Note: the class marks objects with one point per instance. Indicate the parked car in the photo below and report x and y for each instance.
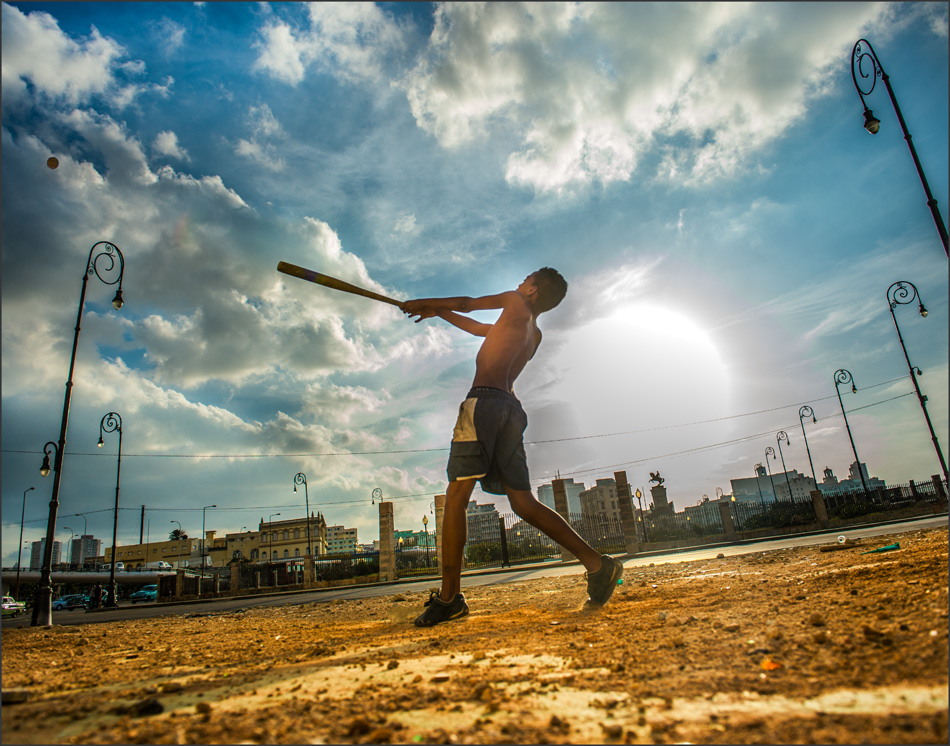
(74, 601)
(146, 593)
(11, 607)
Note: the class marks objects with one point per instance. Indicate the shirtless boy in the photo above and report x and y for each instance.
(487, 443)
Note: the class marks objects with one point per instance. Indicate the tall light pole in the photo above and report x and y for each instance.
(20, 548)
(301, 478)
(203, 545)
(112, 423)
(859, 55)
(178, 548)
(779, 437)
(903, 293)
(639, 495)
(844, 376)
(770, 452)
(108, 253)
(804, 412)
(71, 535)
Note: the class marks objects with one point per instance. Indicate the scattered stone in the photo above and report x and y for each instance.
(732, 627)
(171, 686)
(720, 556)
(203, 707)
(15, 696)
(661, 616)
(358, 727)
(816, 620)
(150, 706)
(440, 678)
(381, 735)
(612, 730)
(397, 598)
(821, 637)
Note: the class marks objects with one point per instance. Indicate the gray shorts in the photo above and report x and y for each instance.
(487, 442)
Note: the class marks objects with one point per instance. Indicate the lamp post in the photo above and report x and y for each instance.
(107, 252)
(903, 293)
(779, 437)
(425, 527)
(301, 478)
(639, 495)
(20, 548)
(112, 423)
(858, 56)
(804, 412)
(203, 545)
(770, 452)
(844, 376)
(71, 535)
(178, 548)
(377, 492)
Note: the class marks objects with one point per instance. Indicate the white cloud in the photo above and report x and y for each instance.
(589, 87)
(406, 225)
(170, 34)
(166, 143)
(35, 50)
(351, 40)
(264, 128)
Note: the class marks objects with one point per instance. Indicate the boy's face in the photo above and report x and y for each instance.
(527, 288)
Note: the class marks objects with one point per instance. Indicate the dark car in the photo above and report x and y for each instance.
(147, 593)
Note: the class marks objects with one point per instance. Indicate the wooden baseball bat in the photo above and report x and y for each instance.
(331, 282)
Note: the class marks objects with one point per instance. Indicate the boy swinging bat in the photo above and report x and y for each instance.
(487, 442)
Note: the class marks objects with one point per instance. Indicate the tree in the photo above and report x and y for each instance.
(177, 535)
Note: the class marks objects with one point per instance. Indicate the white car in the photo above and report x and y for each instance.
(11, 607)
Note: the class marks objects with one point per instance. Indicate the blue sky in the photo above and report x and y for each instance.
(698, 172)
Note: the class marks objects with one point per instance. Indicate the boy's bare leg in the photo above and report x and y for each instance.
(539, 515)
(454, 533)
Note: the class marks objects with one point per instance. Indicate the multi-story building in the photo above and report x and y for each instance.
(600, 501)
(573, 490)
(482, 522)
(38, 551)
(184, 552)
(341, 539)
(284, 540)
(831, 486)
(84, 549)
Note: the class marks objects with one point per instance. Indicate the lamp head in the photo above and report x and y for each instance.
(295, 489)
(918, 371)
(44, 469)
(871, 123)
(854, 389)
(814, 419)
(100, 441)
(117, 301)
(923, 311)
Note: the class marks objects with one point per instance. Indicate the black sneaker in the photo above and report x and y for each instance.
(601, 584)
(438, 610)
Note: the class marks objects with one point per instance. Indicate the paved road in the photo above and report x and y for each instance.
(129, 611)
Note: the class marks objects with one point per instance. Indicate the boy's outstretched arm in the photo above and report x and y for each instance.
(425, 308)
(465, 323)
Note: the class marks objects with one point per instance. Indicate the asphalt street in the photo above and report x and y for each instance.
(471, 579)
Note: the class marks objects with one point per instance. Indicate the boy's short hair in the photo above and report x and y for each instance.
(551, 289)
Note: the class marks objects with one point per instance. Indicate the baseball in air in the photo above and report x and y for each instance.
(52, 162)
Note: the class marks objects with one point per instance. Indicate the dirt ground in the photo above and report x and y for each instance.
(787, 646)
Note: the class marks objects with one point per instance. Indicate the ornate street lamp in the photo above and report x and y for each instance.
(770, 452)
(639, 495)
(16, 593)
(779, 437)
(844, 376)
(425, 527)
(758, 484)
(107, 253)
(377, 492)
(112, 423)
(804, 412)
(71, 535)
(864, 52)
(903, 293)
(301, 478)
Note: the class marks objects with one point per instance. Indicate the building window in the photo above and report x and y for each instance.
(296, 553)
(296, 533)
(286, 534)
(286, 554)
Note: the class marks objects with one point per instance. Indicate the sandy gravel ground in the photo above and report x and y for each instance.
(788, 646)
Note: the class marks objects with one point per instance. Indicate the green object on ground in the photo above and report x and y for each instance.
(620, 581)
(888, 548)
